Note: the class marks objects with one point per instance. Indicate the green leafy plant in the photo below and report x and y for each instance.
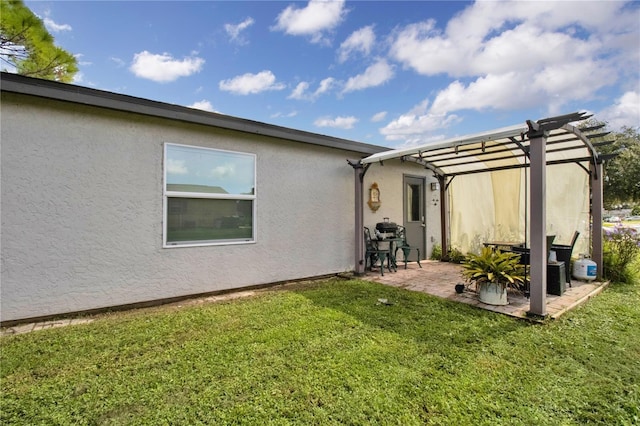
(436, 252)
(456, 256)
(494, 266)
(621, 255)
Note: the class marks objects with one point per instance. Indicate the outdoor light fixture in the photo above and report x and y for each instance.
(435, 186)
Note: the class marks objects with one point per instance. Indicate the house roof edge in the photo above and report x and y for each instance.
(14, 83)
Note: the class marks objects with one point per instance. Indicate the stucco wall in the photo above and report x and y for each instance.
(82, 211)
(389, 178)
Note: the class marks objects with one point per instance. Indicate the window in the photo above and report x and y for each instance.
(413, 203)
(209, 196)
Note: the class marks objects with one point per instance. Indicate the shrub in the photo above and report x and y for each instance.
(621, 255)
(490, 265)
(456, 256)
(436, 252)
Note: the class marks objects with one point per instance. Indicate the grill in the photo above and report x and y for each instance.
(386, 227)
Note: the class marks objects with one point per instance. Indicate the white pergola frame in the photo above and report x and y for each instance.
(535, 145)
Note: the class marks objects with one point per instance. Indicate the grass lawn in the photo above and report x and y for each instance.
(328, 353)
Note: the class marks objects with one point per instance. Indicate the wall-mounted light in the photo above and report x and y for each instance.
(435, 186)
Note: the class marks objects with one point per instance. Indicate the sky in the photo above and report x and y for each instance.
(389, 73)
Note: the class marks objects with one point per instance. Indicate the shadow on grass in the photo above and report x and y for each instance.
(421, 317)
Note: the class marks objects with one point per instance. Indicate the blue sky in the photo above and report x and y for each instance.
(391, 73)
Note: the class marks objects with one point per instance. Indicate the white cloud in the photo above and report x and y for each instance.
(78, 78)
(234, 31)
(375, 75)
(378, 116)
(119, 62)
(313, 20)
(338, 122)
(495, 37)
(361, 41)
(518, 55)
(418, 125)
(78, 57)
(325, 86)
(203, 105)
(624, 112)
(287, 115)
(251, 83)
(493, 91)
(224, 171)
(554, 86)
(164, 68)
(176, 167)
(301, 90)
(53, 27)
(529, 38)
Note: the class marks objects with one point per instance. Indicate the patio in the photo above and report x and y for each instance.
(439, 278)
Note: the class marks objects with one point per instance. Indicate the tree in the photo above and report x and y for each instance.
(621, 173)
(27, 47)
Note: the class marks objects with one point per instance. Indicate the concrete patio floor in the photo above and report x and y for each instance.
(439, 279)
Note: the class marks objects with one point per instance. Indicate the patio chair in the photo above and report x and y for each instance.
(525, 259)
(564, 253)
(405, 247)
(374, 253)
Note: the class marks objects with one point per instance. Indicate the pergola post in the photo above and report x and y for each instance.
(359, 170)
(538, 215)
(596, 186)
(444, 216)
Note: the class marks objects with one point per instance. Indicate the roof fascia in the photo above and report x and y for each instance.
(13, 83)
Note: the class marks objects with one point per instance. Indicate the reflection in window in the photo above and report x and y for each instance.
(413, 203)
(209, 195)
(203, 170)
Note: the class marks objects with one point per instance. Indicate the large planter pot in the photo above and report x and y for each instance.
(493, 294)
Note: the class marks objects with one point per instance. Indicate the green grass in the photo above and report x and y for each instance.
(328, 353)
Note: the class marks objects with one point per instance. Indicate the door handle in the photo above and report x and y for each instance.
(422, 223)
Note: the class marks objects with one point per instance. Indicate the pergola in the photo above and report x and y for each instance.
(533, 145)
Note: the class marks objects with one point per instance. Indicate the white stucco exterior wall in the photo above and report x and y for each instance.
(82, 210)
(390, 180)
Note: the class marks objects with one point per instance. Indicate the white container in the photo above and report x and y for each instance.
(493, 294)
(585, 269)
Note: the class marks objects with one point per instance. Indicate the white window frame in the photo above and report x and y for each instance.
(179, 194)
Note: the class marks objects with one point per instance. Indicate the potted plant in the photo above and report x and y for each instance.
(493, 271)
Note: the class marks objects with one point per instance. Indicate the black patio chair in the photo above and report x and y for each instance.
(525, 259)
(401, 233)
(374, 253)
(564, 253)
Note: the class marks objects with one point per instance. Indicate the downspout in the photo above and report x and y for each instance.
(359, 170)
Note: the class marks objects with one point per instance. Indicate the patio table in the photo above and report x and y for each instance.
(503, 245)
(390, 244)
